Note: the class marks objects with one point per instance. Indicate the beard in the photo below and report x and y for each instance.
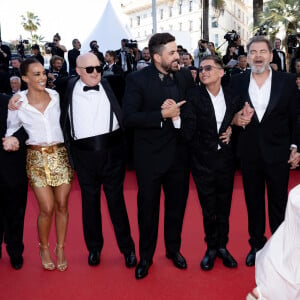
(259, 70)
(171, 67)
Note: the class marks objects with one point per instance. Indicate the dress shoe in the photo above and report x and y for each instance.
(208, 260)
(94, 258)
(16, 262)
(142, 268)
(130, 259)
(228, 260)
(178, 260)
(250, 259)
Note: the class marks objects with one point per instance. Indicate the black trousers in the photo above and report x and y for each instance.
(257, 175)
(12, 212)
(214, 182)
(175, 184)
(96, 168)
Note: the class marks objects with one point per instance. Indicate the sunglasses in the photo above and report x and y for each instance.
(55, 40)
(91, 69)
(208, 68)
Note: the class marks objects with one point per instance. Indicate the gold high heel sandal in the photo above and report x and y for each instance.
(64, 265)
(49, 266)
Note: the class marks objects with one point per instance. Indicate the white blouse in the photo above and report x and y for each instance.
(44, 128)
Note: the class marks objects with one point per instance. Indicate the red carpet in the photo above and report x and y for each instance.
(111, 279)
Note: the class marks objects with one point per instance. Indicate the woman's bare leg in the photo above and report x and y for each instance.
(61, 222)
(45, 199)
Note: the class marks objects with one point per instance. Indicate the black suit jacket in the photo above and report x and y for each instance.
(13, 164)
(270, 139)
(277, 61)
(65, 87)
(155, 139)
(199, 123)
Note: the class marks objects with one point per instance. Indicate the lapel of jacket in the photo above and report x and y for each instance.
(228, 113)
(207, 101)
(276, 86)
(113, 101)
(65, 104)
(245, 82)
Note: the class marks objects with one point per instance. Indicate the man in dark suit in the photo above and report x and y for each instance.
(111, 68)
(278, 60)
(160, 156)
(13, 190)
(268, 139)
(206, 120)
(92, 125)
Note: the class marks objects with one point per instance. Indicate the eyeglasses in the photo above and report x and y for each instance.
(208, 68)
(91, 69)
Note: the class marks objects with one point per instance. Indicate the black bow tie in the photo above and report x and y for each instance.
(87, 88)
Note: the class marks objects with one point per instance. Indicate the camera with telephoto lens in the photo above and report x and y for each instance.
(231, 36)
(131, 44)
(292, 42)
(49, 45)
(95, 48)
(21, 47)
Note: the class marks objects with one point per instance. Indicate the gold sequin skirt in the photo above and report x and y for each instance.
(48, 165)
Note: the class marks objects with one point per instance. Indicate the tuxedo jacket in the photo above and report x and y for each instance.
(277, 61)
(13, 164)
(156, 141)
(270, 139)
(65, 87)
(199, 125)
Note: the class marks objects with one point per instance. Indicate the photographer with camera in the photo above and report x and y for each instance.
(128, 55)
(5, 54)
(36, 53)
(200, 52)
(95, 49)
(292, 42)
(57, 49)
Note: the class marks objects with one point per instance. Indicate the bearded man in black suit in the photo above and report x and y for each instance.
(13, 189)
(268, 139)
(91, 120)
(160, 156)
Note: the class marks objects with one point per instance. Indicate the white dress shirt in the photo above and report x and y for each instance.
(91, 112)
(219, 105)
(44, 128)
(280, 54)
(260, 96)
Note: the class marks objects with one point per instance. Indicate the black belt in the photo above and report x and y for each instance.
(99, 142)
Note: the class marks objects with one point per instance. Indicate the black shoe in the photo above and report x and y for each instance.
(130, 259)
(142, 268)
(94, 258)
(16, 262)
(250, 259)
(178, 260)
(227, 258)
(208, 260)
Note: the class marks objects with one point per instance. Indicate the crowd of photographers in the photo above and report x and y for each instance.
(118, 63)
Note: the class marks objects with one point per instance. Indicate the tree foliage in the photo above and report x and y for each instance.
(281, 15)
(30, 23)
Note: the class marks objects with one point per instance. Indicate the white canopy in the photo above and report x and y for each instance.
(109, 30)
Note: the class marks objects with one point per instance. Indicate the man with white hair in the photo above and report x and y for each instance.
(15, 84)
